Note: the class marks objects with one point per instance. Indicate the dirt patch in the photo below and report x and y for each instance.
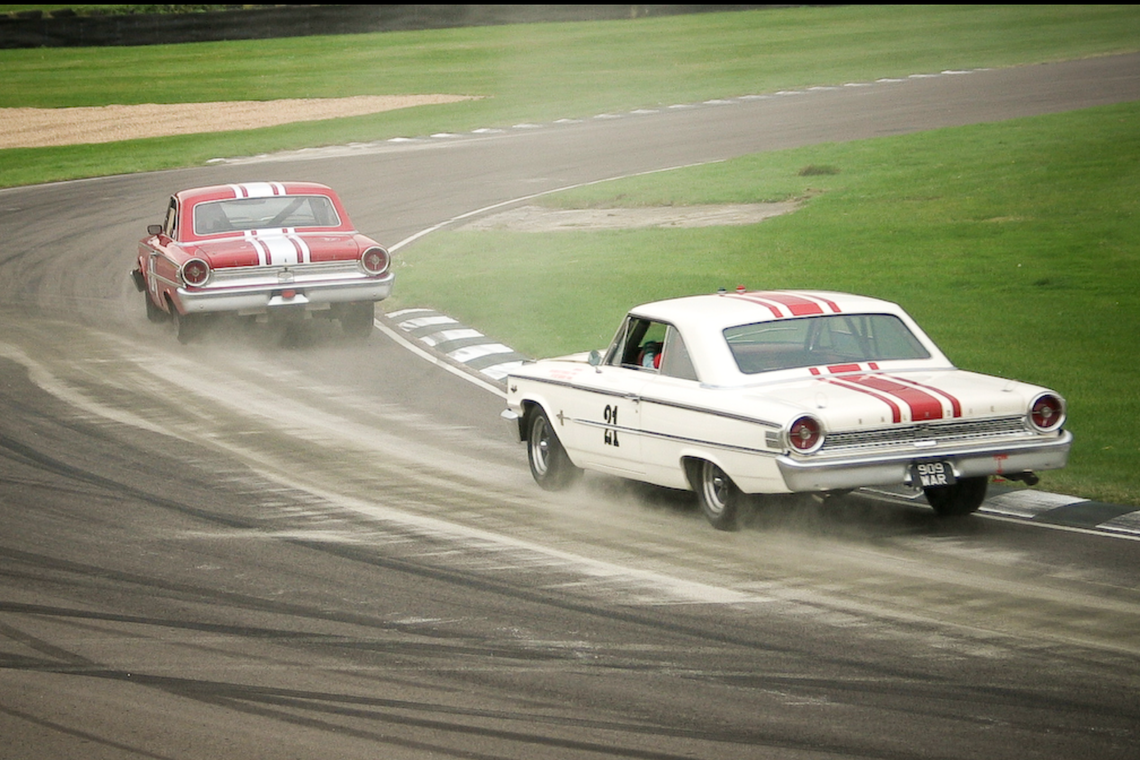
(42, 127)
(539, 219)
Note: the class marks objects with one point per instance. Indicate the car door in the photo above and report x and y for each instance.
(669, 417)
(160, 268)
(608, 414)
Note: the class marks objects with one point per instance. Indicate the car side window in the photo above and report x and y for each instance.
(617, 346)
(639, 345)
(170, 225)
(676, 361)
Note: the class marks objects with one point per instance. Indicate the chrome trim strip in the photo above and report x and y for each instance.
(930, 434)
(675, 438)
(645, 400)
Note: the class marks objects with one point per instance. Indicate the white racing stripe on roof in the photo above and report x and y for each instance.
(260, 189)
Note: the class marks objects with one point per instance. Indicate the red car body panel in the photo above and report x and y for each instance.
(260, 248)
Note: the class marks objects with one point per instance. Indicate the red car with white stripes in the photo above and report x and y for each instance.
(266, 250)
(742, 393)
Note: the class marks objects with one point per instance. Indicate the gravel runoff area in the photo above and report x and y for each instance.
(44, 127)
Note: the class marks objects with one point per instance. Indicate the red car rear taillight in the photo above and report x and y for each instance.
(375, 260)
(195, 272)
(1047, 412)
(805, 434)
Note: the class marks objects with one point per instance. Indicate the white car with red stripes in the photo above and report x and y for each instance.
(264, 250)
(742, 393)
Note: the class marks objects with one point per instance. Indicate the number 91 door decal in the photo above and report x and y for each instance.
(610, 415)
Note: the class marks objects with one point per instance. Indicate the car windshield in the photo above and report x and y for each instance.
(289, 211)
(818, 341)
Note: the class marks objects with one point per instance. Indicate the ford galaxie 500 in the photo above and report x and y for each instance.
(742, 393)
(260, 249)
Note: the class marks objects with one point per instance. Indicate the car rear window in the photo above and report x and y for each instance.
(288, 211)
(825, 340)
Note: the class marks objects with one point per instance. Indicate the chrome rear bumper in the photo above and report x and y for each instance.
(312, 294)
(991, 458)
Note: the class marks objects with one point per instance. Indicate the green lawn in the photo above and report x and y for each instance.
(1015, 244)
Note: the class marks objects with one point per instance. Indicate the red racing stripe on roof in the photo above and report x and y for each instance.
(830, 304)
(797, 305)
(802, 305)
(754, 298)
(783, 304)
(751, 297)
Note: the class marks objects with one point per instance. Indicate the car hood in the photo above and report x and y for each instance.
(276, 249)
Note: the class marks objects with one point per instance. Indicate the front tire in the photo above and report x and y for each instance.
(721, 500)
(549, 463)
(961, 498)
(154, 312)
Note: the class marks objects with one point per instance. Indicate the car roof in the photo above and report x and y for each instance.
(251, 190)
(190, 199)
(700, 317)
(737, 307)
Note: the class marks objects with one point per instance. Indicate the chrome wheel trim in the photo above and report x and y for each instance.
(716, 488)
(540, 445)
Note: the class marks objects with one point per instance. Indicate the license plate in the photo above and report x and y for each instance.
(930, 474)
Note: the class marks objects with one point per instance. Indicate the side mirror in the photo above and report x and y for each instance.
(154, 229)
(595, 358)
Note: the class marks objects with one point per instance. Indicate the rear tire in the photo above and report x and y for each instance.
(720, 499)
(188, 327)
(962, 498)
(549, 463)
(357, 318)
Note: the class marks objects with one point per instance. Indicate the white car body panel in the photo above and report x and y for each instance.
(878, 417)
